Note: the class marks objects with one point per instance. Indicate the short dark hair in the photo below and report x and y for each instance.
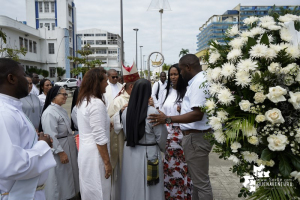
(111, 71)
(161, 73)
(7, 66)
(128, 84)
(191, 60)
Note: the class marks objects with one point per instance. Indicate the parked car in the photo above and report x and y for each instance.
(67, 83)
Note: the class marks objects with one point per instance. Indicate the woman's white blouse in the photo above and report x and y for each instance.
(169, 107)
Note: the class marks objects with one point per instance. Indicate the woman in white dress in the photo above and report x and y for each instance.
(45, 86)
(94, 129)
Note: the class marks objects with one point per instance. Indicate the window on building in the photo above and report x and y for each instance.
(51, 48)
(52, 72)
(26, 44)
(84, 41)
(41, 6)
(112, 52)
(27, 67)
(71, 51)
(53, 26)
(34, 47)
(100, 51)
(52, 7)
(30, 45)
(90, 42)
(100, 42)
(79, 35)
(112, 42)
(70, 11)
(100, 34)
(48, 26)
(87, 35)
(41, 25)
(21, 42)
(46, 5)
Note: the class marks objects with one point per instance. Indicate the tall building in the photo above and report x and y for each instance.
(105, 46)
(215, 27)
(48, 35)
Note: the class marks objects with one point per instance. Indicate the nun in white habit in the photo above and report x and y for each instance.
(63, 180)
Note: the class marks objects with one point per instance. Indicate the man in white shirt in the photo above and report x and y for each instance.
(25, 156)
(35, 80)
(158, 88)
(113, 88)
(194, 126)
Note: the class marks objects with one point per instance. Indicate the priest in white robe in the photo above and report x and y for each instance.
(113, 88)
(116, 134)
(25, 161)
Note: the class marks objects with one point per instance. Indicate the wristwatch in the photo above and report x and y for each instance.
(168, 120)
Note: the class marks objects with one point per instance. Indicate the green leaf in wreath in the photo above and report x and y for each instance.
(264, 39)
(284, 166)
(251, 42)
(295, 161)
(267, 154)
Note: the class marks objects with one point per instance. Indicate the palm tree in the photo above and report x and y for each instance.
(183, 52)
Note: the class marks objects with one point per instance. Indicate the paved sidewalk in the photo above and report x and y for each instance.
(225, 184)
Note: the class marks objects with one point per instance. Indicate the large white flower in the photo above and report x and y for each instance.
(285, 34)
(208, 75)
(234, 54)
(247, 65)
(295, 99)
(245, 105)
(242, 78)
(225, 97)
(274, 116)
(235, 146)
(246, 34)
(274, 27)
(298, 77)
(215, 123)
(293, 51)
(257, 31)
(214, 57)
(219, 136)
(276, 47)
(234, 30)
(253, 140)
(276, 94)
(288, 18)
(215, 88)
(270, 54)
(274, 67)
(258, 50)
(290, 69)
(250, 20)
(277, 142)
(210, 104)
(228, 70)
(222, 115)
(250, 156)
(266, 19)
(234, 159)
(237, 43)
(216, 73)
(259, 97)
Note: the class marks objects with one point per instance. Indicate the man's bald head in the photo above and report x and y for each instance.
(189, 66)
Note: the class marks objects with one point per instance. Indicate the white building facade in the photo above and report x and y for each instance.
(105, 46)
(47, 35)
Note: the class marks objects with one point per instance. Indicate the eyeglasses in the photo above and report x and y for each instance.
(64, 94)
(114, 77)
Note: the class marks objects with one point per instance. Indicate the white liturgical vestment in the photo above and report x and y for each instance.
(25, 161)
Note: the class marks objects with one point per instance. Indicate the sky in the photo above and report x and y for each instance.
(180, 25)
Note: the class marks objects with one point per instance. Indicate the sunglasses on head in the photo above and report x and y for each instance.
(113, 77)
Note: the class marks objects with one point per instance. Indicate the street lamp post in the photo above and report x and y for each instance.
(144, 65)
(122, 47)
(136, 30)
(141, 68)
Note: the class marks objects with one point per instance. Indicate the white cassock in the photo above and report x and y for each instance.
(112, 90)
(34, 90)
(25, 161)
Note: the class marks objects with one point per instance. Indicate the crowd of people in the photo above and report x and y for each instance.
(134, 141)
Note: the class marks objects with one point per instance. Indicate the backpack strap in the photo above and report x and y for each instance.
(157, 92)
